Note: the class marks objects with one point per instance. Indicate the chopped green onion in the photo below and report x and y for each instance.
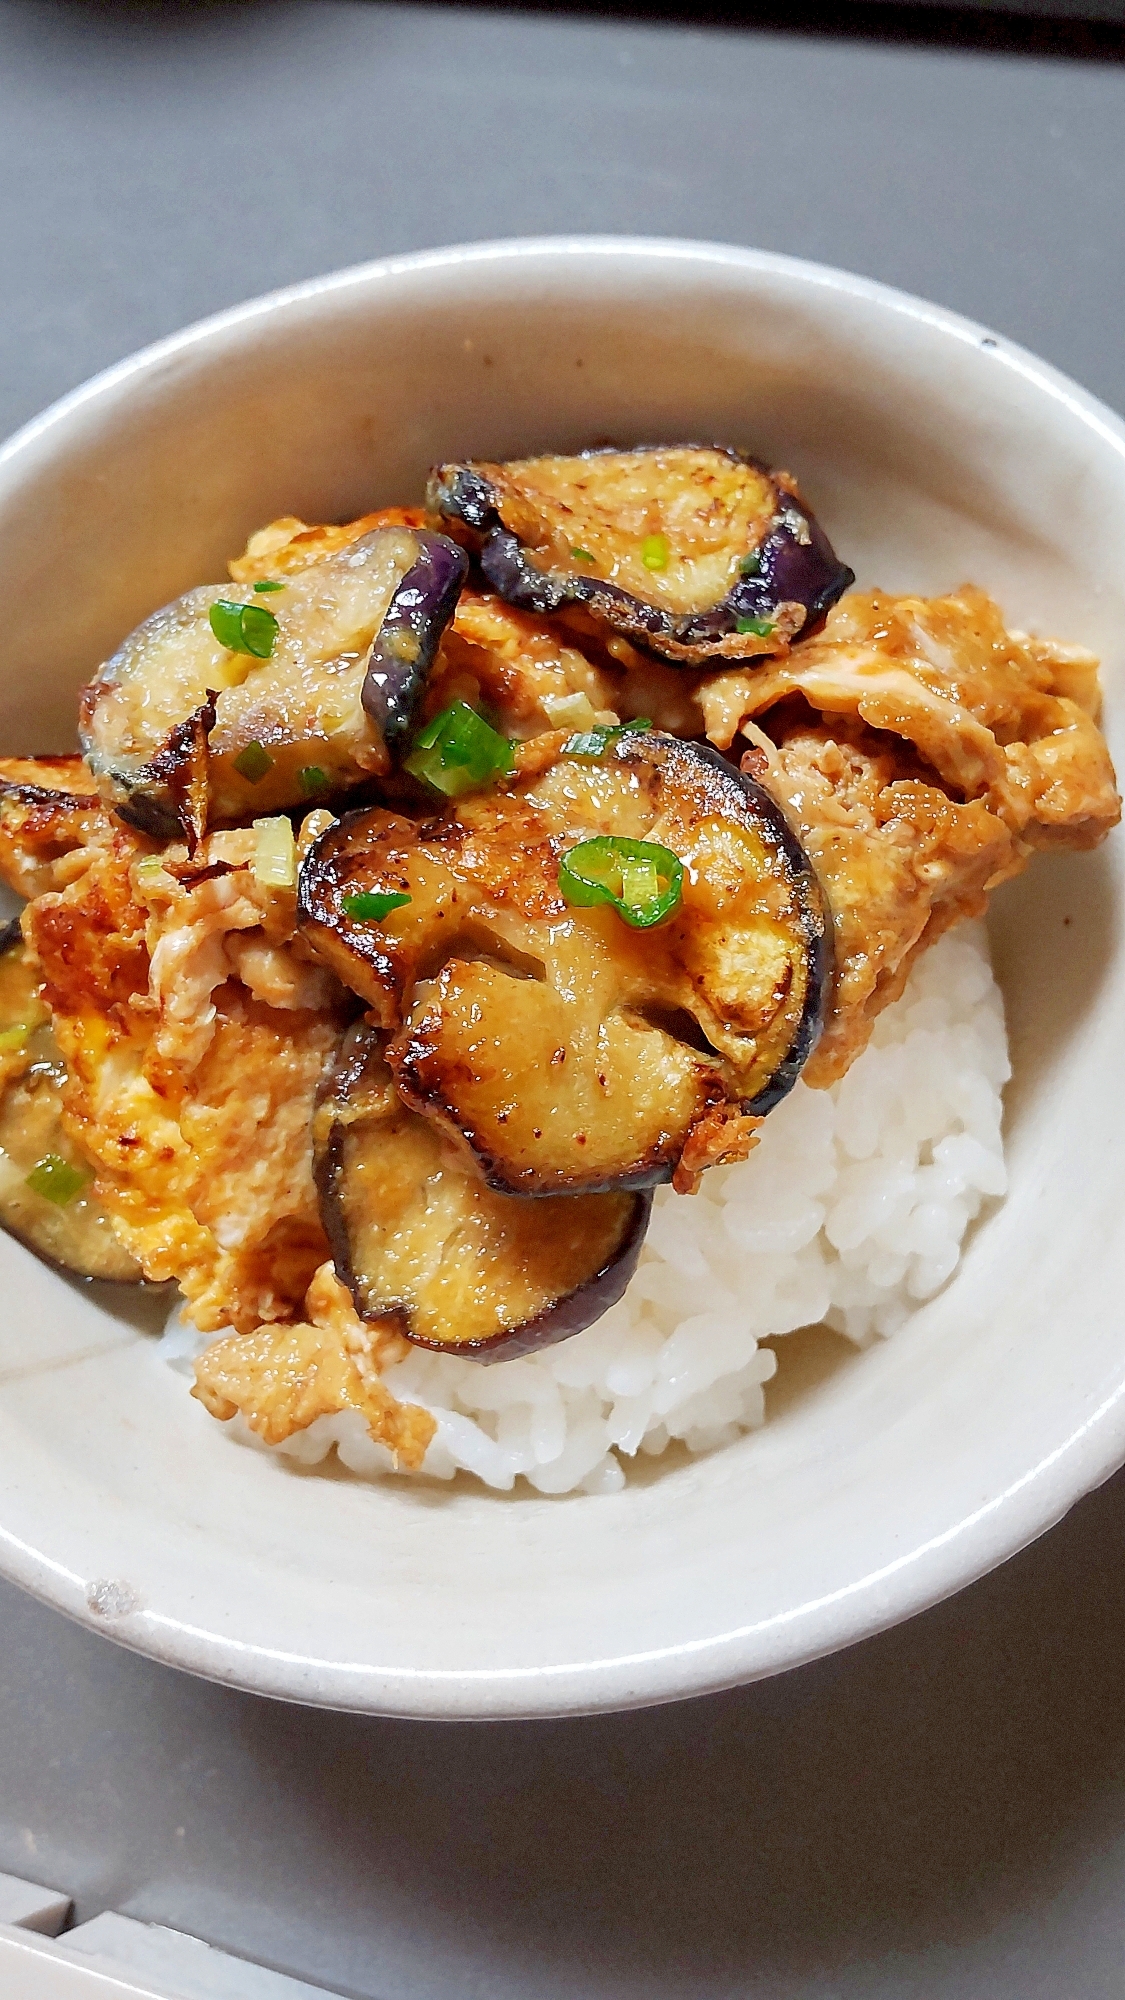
(259, 630)
(761, 627)
(313, 780)
(627, 874)
(56, 1180)
(594, 743)
(243, 628)
(253, 763)
(267, 584)
(750, 565)
(459, 752)
(580, 555)
(569, 711)
(370, 906)
(654, 552)
(275, 854)
(640, 884)
(14, 1038)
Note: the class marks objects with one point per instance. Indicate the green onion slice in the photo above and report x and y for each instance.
(761, 627)
(459, 752)
(267, 583)
(640, 879)
(253, 763)
(313, 780)
(580, 555)
(14, 1037)
(275, 854)
(750, 565)
(243, 628)
(594, 743)
(654, 552)
(370, 906)
(56, 1180)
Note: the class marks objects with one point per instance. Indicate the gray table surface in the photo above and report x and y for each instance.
(941, 1811)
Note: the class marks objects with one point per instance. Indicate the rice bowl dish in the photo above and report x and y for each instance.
(415, 1002)
(886, 1482)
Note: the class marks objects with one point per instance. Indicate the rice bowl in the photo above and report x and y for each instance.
(736, 1608)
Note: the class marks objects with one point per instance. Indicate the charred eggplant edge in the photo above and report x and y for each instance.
(812, 907)
(26, 792)
(332, 948)
(816, 923)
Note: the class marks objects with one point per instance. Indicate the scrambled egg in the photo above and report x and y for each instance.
(923, 754)
(195, 1030)
(282, 1378)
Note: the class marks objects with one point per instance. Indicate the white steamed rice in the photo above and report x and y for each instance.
(851, 1211)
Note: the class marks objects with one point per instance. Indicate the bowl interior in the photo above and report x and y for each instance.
(932, 457)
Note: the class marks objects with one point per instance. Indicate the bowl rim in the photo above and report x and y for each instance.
(923, 1575)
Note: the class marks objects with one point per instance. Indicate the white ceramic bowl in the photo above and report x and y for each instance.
(932, 453)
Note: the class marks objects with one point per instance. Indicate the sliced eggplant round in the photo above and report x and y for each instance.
(46, 1196)
(565, 1049)
(695, 552)
(417, 1236)
(238, 701)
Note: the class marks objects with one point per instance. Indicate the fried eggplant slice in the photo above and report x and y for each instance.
(418, 1237)
(566, 1050)
(46, 1190)
(271, 699)
(695, 552)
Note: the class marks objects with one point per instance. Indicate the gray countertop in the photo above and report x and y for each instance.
(941, 1811)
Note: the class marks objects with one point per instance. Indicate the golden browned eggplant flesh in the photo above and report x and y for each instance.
(436, 888)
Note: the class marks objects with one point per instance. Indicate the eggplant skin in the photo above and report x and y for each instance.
(405, 646)
(816, 924)
(168, 798)
(565, 1051)
(531, 545)
(589, 1300)
(417, 1237)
